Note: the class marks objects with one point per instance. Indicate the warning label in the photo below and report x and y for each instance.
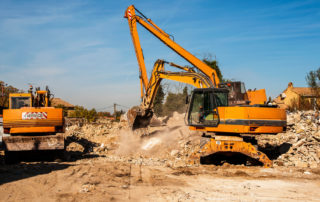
(34, 115)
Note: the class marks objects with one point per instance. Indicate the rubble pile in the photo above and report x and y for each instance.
(300, 145)
(169, 144)
(179, 143)
(93, 137)
(304, 134)
(176, 119)
(172, 144)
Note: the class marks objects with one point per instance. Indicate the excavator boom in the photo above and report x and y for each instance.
(148, 24)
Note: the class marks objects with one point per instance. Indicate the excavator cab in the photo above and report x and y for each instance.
(203, 110)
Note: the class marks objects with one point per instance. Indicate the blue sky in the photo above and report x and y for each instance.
(83, 50)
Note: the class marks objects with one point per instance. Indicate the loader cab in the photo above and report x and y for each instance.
(19, 100)
(39, 98)
(203, 107)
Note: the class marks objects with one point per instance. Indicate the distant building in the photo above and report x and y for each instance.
(296, 97)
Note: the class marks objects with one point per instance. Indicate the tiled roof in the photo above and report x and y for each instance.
(59, 101)
(303, 91)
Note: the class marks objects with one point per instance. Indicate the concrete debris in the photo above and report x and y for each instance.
(94, 138)
(169, 145)
(300, 145)
(74, 147)
(174, 143)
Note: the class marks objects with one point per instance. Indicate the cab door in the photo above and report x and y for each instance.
(203, 109)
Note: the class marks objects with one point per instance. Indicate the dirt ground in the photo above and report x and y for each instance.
(99, 179)
(106, 163)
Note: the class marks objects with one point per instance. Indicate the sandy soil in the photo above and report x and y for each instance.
(99, 179)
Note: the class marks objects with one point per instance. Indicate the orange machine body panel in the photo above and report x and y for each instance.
(257, 96)
(248, 120)
(32, 120)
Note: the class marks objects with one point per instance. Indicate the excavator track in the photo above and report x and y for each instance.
(210, 146)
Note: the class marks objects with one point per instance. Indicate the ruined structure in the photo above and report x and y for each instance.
(297, 97)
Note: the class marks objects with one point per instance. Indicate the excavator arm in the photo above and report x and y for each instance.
(158, 73)
(139, 54)
(139, 117)
(148, 24)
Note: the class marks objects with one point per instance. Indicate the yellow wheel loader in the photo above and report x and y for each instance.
(32, 124)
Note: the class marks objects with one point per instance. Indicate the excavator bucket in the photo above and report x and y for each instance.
(138, 118)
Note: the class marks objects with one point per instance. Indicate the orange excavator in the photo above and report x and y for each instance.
(229, 117)
(32, 124)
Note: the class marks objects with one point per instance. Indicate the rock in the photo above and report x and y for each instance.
(279, 163)
(313, 165)
(290, 121)
(174, 152)
(75, 147)
(317, 136)
(301, 142)
(297, 117)
(301, 164)
(299, 130)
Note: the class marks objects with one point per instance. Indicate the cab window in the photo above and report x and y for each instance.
(203, 109)
(19, 102)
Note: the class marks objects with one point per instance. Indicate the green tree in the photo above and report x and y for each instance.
(185, 92)
(172, 103)
(175, 102)
(118, 114)
(81, 112)
(214, 65)
(102, 114)
(5, 90)
(313, 80)
(158, 102)
(92, 115)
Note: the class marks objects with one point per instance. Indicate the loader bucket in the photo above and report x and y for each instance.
(139, 119)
